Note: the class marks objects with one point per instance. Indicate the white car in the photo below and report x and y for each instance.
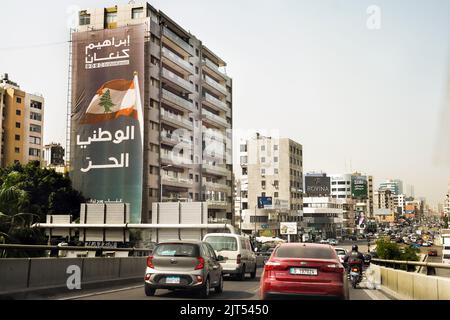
(333, 242)
(323, 241)
(341, 252)
(237, 253)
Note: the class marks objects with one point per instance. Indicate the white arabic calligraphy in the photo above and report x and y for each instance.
(106, 136)
(124, 163)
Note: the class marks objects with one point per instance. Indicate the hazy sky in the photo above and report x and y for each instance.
(311, 69)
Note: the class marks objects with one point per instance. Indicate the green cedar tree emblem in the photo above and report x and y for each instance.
(106, 102)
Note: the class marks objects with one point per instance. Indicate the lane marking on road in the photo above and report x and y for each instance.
(375, 294)
(101, 293)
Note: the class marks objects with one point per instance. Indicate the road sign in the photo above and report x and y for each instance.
(288, 228)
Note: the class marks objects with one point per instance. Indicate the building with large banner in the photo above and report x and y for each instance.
(150, 113)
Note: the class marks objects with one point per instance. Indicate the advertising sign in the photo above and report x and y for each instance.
(359, 187)
(107, 128)
(264, 202)
(317, 186)
(288, 228)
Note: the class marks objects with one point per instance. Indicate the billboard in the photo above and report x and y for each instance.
(359, 187)
(107, 127)
(287, 228)
(317, 186)
(264, 202)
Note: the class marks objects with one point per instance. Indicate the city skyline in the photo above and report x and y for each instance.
(369, 99)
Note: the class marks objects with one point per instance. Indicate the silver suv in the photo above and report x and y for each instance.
(188, 265)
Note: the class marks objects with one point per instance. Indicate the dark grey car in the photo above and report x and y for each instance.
(186, 265)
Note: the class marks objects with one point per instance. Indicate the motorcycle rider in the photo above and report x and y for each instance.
(354, 257)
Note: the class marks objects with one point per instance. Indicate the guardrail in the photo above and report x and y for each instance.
(69, 248)
(396, 264)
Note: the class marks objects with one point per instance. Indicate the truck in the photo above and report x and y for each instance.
(445, 237)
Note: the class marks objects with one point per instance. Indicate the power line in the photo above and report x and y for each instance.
(41, 45)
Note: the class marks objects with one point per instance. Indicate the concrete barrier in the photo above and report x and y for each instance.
(414, 286)
(13, 274)
(20, 277)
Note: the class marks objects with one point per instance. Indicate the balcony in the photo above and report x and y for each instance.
(215, 170)
(215, 103)
(176, 120)
(215, 86)
(178, 42)
(173, 139)
(215, 120)
(178, 81)
(209, 66)
(219, 220)
(177, 182)
(177, 161)
(217, 204)
(177, 101)
(177, 62)
(216, 186)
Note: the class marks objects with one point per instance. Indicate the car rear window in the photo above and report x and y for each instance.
(176, 250)
(304, 252)
(222, 243)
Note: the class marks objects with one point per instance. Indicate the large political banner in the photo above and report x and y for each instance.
(107, 128)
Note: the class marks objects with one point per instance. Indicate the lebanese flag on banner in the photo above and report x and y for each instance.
(116, 98)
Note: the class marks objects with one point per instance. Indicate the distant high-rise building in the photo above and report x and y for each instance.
(395, 186)
(21, 124)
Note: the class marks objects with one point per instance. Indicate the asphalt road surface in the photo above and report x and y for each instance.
(233, 290)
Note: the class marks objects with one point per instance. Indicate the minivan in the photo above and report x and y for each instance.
(236, 253)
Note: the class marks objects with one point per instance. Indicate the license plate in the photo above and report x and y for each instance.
(303, 271)
(173, 280)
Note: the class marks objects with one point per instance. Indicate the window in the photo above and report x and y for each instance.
(275, 159)
(17, 137)
(244, 159)
(243, 148)
(263, 148)
(36, 105)
(275, 183)
(275, 171)
(35, 116)
(18, 125)
(111, 17)
(19, 100)
(18, 112)
(137, 13)
(34, 152)
(85, 18)
(275, 147)
(263, 184)
(263, 171)
(17, 150)
(263, 160)
(34, 140)
(35, 128)
(275, 194)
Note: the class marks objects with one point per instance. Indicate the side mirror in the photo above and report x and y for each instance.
(220, 258)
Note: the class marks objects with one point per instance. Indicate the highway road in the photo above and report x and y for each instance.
(438, 259)
(233, 290)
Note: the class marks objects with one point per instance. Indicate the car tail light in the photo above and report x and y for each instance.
(147, 277)
(271, 266)
(332, 268)
(355, 269)
(201, 263)
(238, 259)
(150, 262)
(199, 279)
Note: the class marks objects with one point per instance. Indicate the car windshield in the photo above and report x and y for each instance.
(176, 250)
(304, 252)
(222, 243)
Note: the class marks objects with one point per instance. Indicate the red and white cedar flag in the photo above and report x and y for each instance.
(116, 98)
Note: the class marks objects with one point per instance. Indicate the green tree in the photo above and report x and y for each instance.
(27, 194)
(106, 102)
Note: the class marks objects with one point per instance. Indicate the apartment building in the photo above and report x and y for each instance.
(53, 155)
(187, 102)
(21, 119)
(273, 168)
(324, 216)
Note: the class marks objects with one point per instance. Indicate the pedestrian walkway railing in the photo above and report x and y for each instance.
(406, 265)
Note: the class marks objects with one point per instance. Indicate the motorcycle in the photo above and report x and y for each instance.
(355, 274)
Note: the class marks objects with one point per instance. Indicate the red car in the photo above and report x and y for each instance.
(304, 270)
(432, 253)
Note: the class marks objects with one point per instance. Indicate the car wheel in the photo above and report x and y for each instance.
(241, 276)
(219, 288)
(149, 292)
(253, 274)
(204, 292)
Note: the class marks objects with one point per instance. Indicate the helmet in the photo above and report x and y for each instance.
(355, 247)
